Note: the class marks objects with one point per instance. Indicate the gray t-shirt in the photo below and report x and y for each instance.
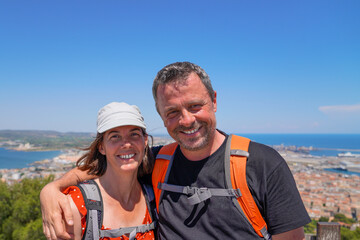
(269, 179)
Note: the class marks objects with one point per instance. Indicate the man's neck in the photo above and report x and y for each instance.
(214, 145)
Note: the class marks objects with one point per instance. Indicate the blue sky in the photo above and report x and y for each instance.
(277, 66)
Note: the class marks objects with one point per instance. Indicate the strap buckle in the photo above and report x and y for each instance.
(199, 195)
(190, 190)
(235, 192)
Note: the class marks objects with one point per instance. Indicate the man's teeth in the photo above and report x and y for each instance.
(191, 131)
(127, 156)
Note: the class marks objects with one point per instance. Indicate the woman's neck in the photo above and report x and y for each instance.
(123, 199)
(123, 187)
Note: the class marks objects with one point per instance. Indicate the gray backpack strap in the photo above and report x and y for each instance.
(132, 231)
(93, 203)
(150, 201)
(197, 195)
(164, 156)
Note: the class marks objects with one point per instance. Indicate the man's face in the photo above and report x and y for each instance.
(188, 112)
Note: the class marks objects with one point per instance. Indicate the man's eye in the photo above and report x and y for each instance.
(171, 114)
(195, 107)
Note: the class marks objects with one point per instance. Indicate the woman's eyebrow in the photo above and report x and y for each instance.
(135, 129)
(114, 131)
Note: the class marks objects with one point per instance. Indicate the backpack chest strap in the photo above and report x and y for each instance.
(197, 195)
(132, 231)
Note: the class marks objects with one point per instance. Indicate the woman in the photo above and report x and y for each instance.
(119, 158)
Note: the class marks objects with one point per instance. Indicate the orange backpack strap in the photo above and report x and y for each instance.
(162, 168)
(235, 174)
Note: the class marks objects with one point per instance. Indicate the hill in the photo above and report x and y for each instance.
(45, 140)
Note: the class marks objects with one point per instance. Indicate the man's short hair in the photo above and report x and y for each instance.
(180, 71)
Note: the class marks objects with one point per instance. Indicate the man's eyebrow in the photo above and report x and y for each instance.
(169, 108)
(199, 101)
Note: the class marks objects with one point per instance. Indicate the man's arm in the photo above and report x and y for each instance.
(75, 230)
(296, 234)
(55, 206)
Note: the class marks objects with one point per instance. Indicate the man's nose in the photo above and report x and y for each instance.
(186, 119)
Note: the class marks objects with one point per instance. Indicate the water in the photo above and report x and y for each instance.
(341, 171)
(19, 159)
(328, 144)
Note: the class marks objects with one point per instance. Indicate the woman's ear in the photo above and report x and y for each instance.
(146, 140)
(101, 149)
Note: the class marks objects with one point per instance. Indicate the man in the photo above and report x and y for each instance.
(187, 104)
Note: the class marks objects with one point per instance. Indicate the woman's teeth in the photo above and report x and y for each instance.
(127, 156)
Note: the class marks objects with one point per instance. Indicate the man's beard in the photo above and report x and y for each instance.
(193, 144)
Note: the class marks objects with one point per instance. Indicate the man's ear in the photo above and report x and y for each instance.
(215, 102)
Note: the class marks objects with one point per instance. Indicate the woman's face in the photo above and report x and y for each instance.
(124, 147)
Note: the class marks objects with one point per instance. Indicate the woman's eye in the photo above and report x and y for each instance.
(135, 135)
(114, 137)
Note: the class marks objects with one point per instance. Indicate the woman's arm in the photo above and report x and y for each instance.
(55, 206)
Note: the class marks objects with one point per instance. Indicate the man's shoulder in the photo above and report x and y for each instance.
(260, 148)
(155, 149)
(264, 156)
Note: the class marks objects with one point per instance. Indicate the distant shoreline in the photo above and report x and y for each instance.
(33, 149)
(308, 145)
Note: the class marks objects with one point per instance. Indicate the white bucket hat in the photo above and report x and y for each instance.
(117, 114)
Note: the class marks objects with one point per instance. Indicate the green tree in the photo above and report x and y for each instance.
(310, 227)
(347, 234)
(339, 217)
(5, 201)
(323, 219)
(31, 231)
(20, 213)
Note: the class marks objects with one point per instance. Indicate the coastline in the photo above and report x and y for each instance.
(346, 157)
(324, 192)
(29, 148)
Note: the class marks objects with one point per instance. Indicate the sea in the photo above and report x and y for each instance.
(324, 145)
(20, 159)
